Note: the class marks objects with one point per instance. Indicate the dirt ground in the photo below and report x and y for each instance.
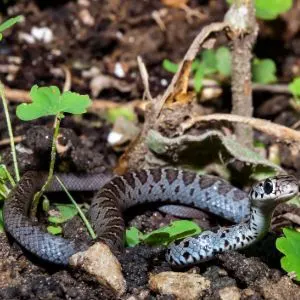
(100, 37)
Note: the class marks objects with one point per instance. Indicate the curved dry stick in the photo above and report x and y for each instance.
(190, 55)
(281, 132)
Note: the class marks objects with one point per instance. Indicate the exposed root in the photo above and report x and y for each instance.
(282, 133)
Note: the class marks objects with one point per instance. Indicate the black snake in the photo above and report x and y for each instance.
(168, 186)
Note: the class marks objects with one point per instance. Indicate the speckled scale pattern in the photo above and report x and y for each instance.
(30, 236)
(204, 192)
(206, 245)
(174, 186)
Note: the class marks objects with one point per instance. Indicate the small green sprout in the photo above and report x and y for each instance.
(5, 176)
(198, 78)
(162, 236)
(170, 66)
(294, 88)
(78, 209)
(264, 71)
(55, 230)
(290, 247)
(9, 23)
(5, 180)
(66, 212)
(211, 62)
(114, 113)
(49, 101)
(267, 10)
(223, 57)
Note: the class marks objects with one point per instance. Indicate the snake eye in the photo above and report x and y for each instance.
(268, 186)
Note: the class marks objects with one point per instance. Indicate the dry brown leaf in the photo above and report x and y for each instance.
(175, 3)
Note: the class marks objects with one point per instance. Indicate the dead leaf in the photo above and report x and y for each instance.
(175, 3)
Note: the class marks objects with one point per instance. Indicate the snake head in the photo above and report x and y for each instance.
(274, 190)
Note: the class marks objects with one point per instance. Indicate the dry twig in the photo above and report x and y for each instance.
(17, 139)
(176, 85)
(282, 133)
(68, 79)
(145, 78)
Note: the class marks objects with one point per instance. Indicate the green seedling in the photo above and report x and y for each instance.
(289, 245)
(218, 62)
(70, 211)
(55, 230)
(49, 101)
(270, 10)
(211, 62)
(5, 25)
(264, 71)
(294, 88)
(114, 113)
(162, 236)
(5, 176)
(170, 66)
(5, 180)
(9, 23)
(66, 212)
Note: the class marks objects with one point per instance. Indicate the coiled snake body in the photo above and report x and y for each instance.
(172, 186)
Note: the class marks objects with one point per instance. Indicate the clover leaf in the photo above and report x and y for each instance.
(176, 230)
(264, 71)
(66, 212)
(47, 101)
(199, 76)
(294, 88)
(209, 60)
(162, 236)
(114, 113)
(223, 57)
(132, 236)
(270, 10)
(55, 230)
(170, 66)
(290, 247)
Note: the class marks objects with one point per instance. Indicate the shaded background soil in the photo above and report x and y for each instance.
(104, 37)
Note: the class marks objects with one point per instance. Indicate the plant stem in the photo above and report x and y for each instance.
(10, 132)
(84, 219)
(243, 35)
(52, 163)
(9, 177)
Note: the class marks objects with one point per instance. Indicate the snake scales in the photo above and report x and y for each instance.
(167, 186)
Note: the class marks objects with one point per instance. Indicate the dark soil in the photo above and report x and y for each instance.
(101, 35)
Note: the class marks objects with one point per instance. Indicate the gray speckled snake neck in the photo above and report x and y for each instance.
(166, 186)
(264, 197)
